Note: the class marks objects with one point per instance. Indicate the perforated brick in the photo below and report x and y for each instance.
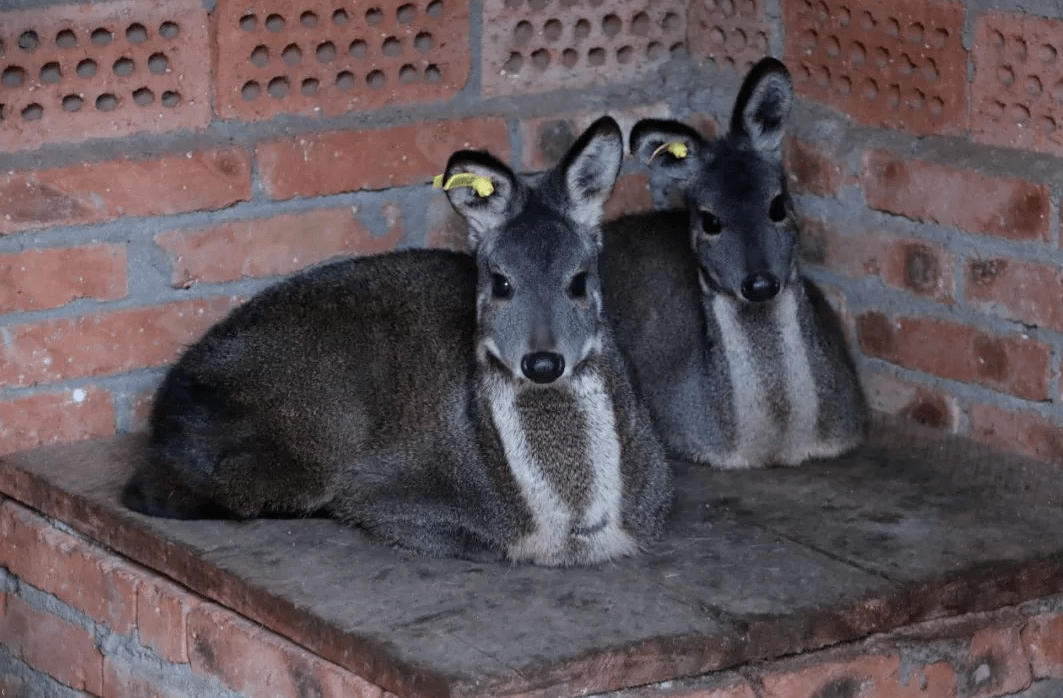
(1017, 95)
(728, 34)
(72, 72)
(541, 45)
(897, 64)
(331, 56)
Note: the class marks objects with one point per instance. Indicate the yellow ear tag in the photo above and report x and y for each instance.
(481, 184)
(676, 148)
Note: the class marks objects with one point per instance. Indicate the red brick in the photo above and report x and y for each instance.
(1024, 432)
(74, 571)
(1043, 639)
(270, 246)
(1013, 364)
(253, 661)
(446, 229)
(914, 401)
(341, 161)
(1027, 292)
(966, 199)
(140, 409)
(631, 195)
(309, 60)
(813, 169)
(94, 192)
(867, 676)
(47, 418)
(728, 35)
(740, 689)
(900, 64)
(547, 138)
(1015, 99)
(162, 618)
(65, 651)
(996, 664)
(106, 343)
(139, 93)
(52, 277)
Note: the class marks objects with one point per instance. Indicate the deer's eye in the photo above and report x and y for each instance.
(777, 209)
(578, 287)
(500, 286)
(710, 223)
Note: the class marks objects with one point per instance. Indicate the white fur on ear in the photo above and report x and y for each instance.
(763, 105)
(591, 168)
(484, 214)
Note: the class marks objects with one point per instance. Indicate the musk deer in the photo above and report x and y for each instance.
(739, 357)
(454, 405)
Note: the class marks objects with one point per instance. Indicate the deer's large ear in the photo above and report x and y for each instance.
(763, 105)
(589, 171)
(668, 148)
(483, 190)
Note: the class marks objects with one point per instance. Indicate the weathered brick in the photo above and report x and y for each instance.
(105, 343)
(52, 277)
(1014, 364)
(100, 191)
(271, 246)
(55, 417)
(1043, 639)
(996, 663)
(630, 195)
(1025, 432)
(914, 401)
(547, 138)
(967, 199)
(64, 651)
(76, 572)
(813, 169)
(900, 64)
(866, 676)
(342, 161)
(728, 35)
(1027, 292)
(446, 229)
(1018, 73)
(253, 661)
(162, 610)
(123, 679)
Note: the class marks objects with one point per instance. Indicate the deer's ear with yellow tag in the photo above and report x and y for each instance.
(482, 189)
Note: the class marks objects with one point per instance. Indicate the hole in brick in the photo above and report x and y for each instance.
(340, 17)
(625, 54)
(537, 5)
(33, 112)
(391, 47)
(171, 99)
(434, 9)
(123, 67)
(717, 37)
(822, 12)
(893, 97)
(3, 109)
(1005, 75)
(309, 86)
(13, 76)
(373, 16)
(408, 74)
(1048, 126)
(1047, 53)
(939, 38)
(671, 22)
(867, 21)
(845, 17)
(136, 33)
(275, 23)
(582, 29)
(552, 30)
(1018, 47)
(143, 97)
(325, 52)
(996, 39)
(726, 7)
(857, 54)
(1019, 113)
(432, 74)
(345, 80)
(915, 33)
(86, 68)
(1033, 86)
(995, 110)
(654, 51)
(569, 57)
(406, 14)
(376, 80)
(893, 27)
(541, 58)
(843, 86)
(904, 65)
(915, 100)
(249, 22)
(640, 24)
(158, 63)
(523, 32)
(739, 41)
(292, 54)
(882, 58)
(169, 30)
(260, 56)
(930, 71)
(66, 39)
(760, 43)
(514, 63)
(833, 47)
(596, 56)
(101, 36)
(1057, 91)
(308, 19)
(809, 39)
(869, 89)
(72, 103)
(251, 91)
(937, 107)
(51, 73)
(424, 42)
(611, 25)
(28, 42)
(358, 48)
(278, 87)
(106, 102)
(678, 50)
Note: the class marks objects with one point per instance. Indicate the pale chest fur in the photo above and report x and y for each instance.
(563, 451)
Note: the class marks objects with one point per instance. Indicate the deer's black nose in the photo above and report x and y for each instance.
(760, 286)
(543, 366)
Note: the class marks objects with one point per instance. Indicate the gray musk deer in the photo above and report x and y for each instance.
(457, 405)
(738, 356)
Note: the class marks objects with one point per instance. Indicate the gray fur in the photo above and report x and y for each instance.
(417, 396)
(740, 359)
